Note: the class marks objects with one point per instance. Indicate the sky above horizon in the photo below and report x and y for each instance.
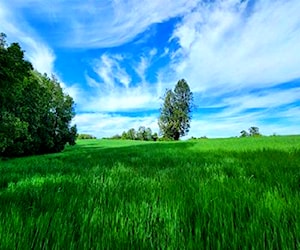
(116, 58)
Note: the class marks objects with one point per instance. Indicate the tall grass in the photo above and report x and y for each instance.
(207, 194)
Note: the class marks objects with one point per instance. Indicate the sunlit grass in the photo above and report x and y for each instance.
(237, 193)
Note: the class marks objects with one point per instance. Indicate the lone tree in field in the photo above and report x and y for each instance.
(175, 116)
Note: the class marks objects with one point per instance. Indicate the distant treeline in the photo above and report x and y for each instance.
(142, 134)
(85, 136)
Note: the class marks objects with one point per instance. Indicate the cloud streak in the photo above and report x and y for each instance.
(100, 23)
(37, 52)
(228, 45)
(113, 87)
(107, 125)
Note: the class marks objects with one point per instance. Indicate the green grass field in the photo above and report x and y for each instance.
(239, 193)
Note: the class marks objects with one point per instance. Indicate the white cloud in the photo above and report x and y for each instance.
(135, 99)
(110, 71)
(252, 109)
(107, 125)
(270, 99)
(142, 67)
(230, 49)
(226, 47)
(113, 91)
(229, 128)
(17, 30)
(101, 23)
(229, 46)
(41, 56)
(37, 52)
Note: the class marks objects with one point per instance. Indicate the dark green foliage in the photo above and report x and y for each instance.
(175, 117)
(115, 137)
(35, 114)
(244, 133)
(253, 131)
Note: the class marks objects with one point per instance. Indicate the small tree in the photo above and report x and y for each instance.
(141, 133)
(155, 137)
(175, 117)
(148, 134)
(244, 133)
(131, 134)
(254, 131)
(124, 136)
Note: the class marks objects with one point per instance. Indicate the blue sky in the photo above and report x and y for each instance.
(116, 58)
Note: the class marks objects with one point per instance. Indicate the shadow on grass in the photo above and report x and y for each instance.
(148, 159)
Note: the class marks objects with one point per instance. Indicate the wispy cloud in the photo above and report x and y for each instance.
(101, 23)
(110, 71)
(36, 50)
(18, 30)
(107, 125)
(231, 45)
(227, 49)
(113, 90)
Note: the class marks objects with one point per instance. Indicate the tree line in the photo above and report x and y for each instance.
(142, 134)
(35, 113)
(85, 137)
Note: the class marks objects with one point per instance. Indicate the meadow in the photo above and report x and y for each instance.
(235, 193)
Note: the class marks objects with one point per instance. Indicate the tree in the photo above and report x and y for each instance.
(175, 113)
(2, 40)
(254, 131)
(148, 134)
(35, 114)
(142, 134)
(244, 133)
(131, 134)
(124, 135)
(155, 137)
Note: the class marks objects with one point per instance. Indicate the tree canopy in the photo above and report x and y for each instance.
(175, 113)
(253, 131)
(142, 134)
(35, 113)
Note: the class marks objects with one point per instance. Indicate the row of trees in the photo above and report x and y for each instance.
(85, 136)
(35, 114)
(142, 134)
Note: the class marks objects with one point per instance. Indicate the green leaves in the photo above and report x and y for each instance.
(175, 117)
(253, 131)
(35, 114)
